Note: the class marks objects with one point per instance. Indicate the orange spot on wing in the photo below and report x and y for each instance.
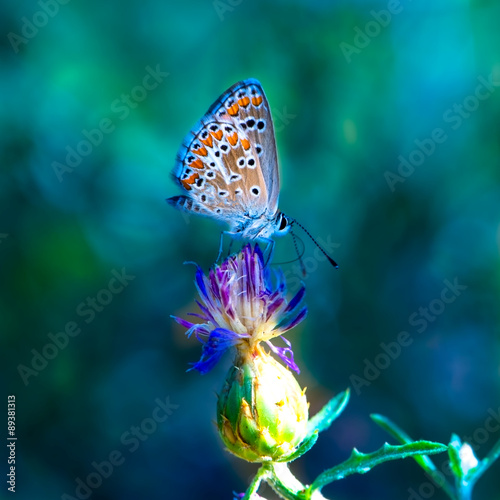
(256, 101)
(232, 139)
(197, 164)
(217, 135)
(244, 102)
(200, 151)
(190, 180)
(245, 143)
(233, 110)
(208, 141)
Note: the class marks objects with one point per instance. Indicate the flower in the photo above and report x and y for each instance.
(262, 412)
(241, 308)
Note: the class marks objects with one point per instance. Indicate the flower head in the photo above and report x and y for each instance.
(241, 308)
(261, 411)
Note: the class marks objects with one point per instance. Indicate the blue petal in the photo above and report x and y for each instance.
(219, 341)
(291, 321)
(200, 282)
(298, 297)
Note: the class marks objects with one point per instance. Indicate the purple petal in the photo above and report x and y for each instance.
(206, 312)
(285, 354)
(225, 294)
(204, 318)
(214, 285)
(280, 280)
(183, 322)
(291, 321)
(273, 306)
(219, 341)
(298, 297)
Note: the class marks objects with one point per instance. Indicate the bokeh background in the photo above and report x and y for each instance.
(354, 95)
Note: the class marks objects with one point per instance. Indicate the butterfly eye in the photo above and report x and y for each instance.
(251, 162)
(261, 125)
(210, 175)
(258, 148)
(241, 162)
(203, 197)
(255, 190)
(283, 223)
(223, 194)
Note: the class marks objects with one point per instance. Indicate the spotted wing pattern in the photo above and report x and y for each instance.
(247, 105)
(223, 164)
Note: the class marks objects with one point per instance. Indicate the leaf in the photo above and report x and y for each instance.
(400, 435)
(324, 418)
(304, 447)
(454, 454)
(424, 461)
(360, 463)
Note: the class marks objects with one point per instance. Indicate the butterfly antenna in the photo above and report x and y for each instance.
(332, 262)
(299, 255)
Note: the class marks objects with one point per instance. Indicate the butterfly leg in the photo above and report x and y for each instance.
(269, 248)
(221, 244)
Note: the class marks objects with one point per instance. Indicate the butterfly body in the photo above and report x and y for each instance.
(228, 166)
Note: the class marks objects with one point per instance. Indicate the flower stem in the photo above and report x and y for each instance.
(286, 485)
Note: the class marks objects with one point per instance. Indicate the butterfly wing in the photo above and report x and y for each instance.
(246, 104)
(219, 165)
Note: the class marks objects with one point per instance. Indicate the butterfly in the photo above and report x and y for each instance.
(227, 166)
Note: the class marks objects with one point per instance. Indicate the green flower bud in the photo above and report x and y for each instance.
(262, 411)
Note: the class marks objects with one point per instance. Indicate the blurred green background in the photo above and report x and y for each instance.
(387, 117)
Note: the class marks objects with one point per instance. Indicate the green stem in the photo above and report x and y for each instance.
(261, 475)
(285, 484)
(464, 491)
